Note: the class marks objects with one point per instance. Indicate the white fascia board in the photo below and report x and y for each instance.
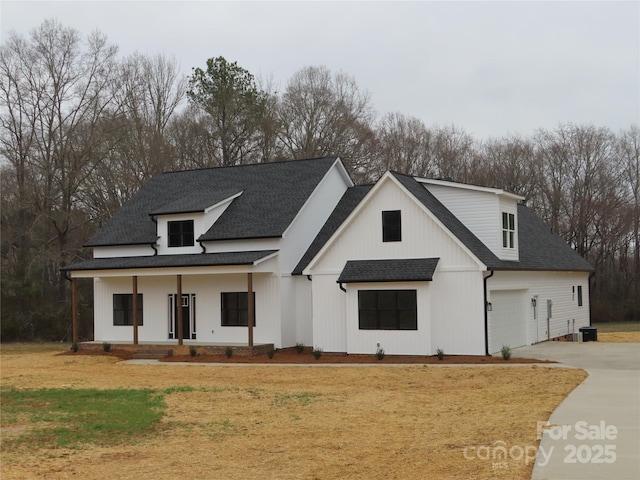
(343, 172)
(477, 188)
(164, 271)
(222, 202)
(264, 259)
(363, 203)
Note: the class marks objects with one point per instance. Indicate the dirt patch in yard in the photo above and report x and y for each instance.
(404, 423)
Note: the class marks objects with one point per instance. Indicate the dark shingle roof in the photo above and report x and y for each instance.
(539, 248)
(393, 270)
(448, 219)
(196, 202)
(345, 206)
(159, 261)
(273, 193)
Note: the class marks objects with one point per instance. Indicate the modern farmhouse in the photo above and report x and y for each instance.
(293, 252)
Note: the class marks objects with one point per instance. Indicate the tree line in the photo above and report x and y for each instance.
(81, 128)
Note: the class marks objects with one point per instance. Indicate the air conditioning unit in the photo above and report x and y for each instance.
(577, 337)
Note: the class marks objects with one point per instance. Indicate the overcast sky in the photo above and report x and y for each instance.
(492, 68)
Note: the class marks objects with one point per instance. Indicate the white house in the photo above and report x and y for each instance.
(408, 264)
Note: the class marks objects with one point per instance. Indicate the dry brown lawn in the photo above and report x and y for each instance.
(408, 422)
(619, 337)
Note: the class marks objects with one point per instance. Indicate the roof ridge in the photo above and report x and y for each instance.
(221, 167)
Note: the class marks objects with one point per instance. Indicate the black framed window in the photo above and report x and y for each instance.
(391, 226)
(235, 309)
(181, 233)
(387, 310)
(508, 230)
(123, 309)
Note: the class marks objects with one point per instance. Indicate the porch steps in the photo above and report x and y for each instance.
(153, 354)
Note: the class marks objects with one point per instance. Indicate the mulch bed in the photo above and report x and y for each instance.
(291, 356)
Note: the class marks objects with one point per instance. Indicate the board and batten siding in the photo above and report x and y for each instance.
(207, 288)
(422, 237)
(394, 342)
(329, 309)
(457, 313)
(558, 287)
(455, 294)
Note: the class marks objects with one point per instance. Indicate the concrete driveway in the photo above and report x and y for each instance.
(595, 432)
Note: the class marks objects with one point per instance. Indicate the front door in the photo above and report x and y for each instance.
(188, 305)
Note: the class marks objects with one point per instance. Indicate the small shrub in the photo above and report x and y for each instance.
(74, 347)
(440, 354)
(270, 352)
(106, 346)
(380, 353)
(193, 351)
(228, 352)
(299, 347)
(317, 352)
(506, 352)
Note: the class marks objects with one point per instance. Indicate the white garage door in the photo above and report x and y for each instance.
(507, 319)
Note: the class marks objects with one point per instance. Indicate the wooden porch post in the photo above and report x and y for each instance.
(74, 310)
(135, 310)
(179, 309)
(250, 307)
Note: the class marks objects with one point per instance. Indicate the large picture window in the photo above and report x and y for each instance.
(123, 309)
(181, 233)
(508, 230)
(387, 310)
(391, 226)
(235, 309)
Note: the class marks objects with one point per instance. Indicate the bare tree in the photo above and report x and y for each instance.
(629, 151)
(323, 114)
(148, 93)
(404, 145)
(55, 91)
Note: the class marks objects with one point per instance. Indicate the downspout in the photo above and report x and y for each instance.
(342, 288)
(591, 275)
(204, 249)
(486, 315)
(153, 245)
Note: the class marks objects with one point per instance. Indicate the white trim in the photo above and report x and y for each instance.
(477, 188)
(222, 202)
(164, 271)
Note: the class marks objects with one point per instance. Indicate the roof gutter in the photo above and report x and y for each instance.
(486, 315)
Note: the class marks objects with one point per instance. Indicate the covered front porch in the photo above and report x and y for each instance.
(200, 300)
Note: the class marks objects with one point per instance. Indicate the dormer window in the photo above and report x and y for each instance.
(508, 230)
(181, 233)
(391, 226)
